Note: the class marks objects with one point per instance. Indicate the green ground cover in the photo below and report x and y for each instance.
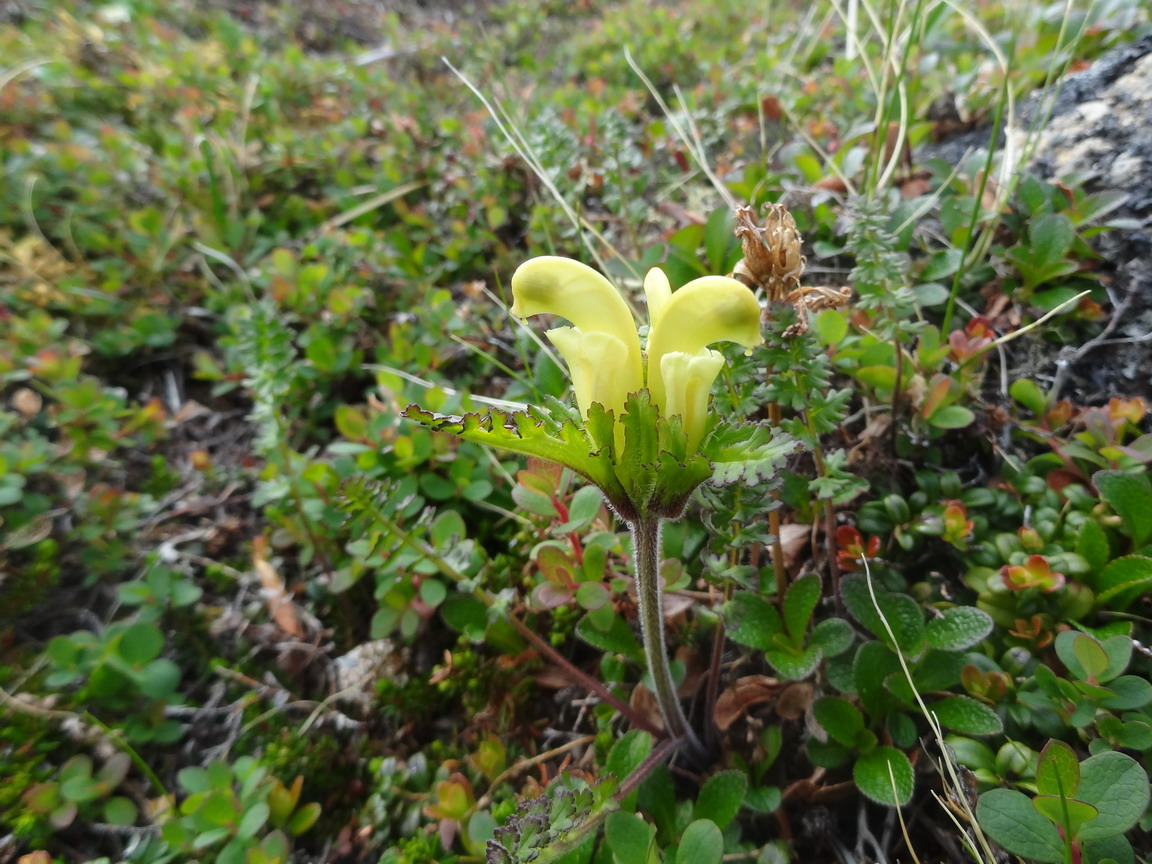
(251, 613)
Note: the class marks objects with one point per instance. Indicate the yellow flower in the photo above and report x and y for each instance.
(602, 347)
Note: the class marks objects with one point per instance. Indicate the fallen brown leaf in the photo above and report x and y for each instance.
(279, 601)
(794, 701)
(743, 694)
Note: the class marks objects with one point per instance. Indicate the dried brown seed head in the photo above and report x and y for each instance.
(772, 256)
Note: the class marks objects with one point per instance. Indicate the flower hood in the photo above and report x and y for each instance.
(602, 345)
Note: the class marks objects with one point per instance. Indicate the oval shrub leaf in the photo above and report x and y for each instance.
(702, 843)
(1117, 786)
(840, 719)
(960, 628)
(720, 798)
(752, 621)
(795, 666)
(876, 772)
(1009, 818)
(966, 715)
(1129, 495)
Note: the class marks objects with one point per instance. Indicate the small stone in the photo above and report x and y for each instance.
(27, 402)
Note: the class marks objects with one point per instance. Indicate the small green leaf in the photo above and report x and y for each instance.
(966, 715)
(1128, 692)
(583, 508)
(119, 811)
(960, 628)
(629, 837)
(831, 326)
(159, 679)
(465, 613)
(795, 665)
(752, 621)
(141, 643)
(764, 800)
(351, 422)
(253, 820)
(1027, 393)
(941, 264)
(901, 612)
(720, 797)
(628, 752)
(719, 239)
(1091, 660)
(952, 417)
(1122, 580)
(701, 843)
(1052, 235)
(1108, 850)
(618, 638)
(533, 501)
(1092, 546)
(833, 635)
(876, 772)
(303, 819)
(1131, 497)
(593, 595)
(871, 666)
(1117, 786)
(1091, 655)
(1010, 819)
(840, 719)
(1066, 812)
(1058, 772)
(881, 378)
(799, 603)
(80, 789)
(433, 592)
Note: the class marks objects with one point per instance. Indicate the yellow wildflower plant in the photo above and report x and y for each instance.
(644, 433)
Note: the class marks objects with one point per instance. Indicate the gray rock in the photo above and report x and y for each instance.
(1100, 126)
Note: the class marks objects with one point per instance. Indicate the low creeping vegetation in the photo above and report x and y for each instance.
(312, 548)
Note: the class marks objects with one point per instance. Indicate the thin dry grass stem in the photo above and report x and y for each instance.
(250, 87)
(829, 163)
(901, 137)
(1009, 161)
(30, 215)
(1016, 334)
(540, 344)
(900, 816)
(503, 404)
(1054, 75)
(690, 139)
(805, 31)
(851, 22)
(522, 765)
(854, 38)
(13, 72)
(931, 201)
(368, 206)
(958, 789)
(524, 151)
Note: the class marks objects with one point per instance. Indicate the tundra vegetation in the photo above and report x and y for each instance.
(790, 540)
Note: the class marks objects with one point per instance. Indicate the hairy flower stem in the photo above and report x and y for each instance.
(646, 544)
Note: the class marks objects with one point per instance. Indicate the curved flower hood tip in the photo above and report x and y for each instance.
(602, 347)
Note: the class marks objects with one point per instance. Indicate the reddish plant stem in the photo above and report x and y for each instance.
(583, 679)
